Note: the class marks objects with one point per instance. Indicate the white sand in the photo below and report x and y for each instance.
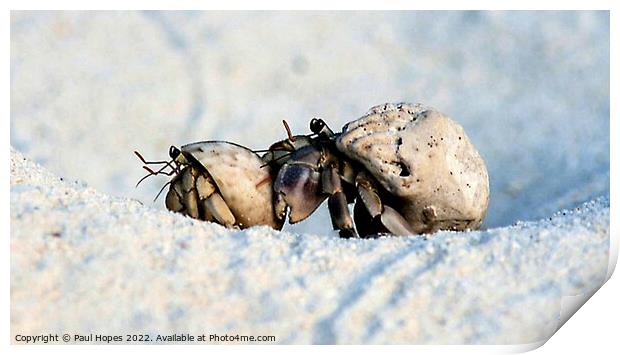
(531, 90)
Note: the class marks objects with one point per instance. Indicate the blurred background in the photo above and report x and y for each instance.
(530, 88)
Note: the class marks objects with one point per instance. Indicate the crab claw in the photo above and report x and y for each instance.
(298, 186)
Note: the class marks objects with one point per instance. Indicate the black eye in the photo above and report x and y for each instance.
(316, 125)
(174, 152)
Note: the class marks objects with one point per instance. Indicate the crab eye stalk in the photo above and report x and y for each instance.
(174, 152)
(319, 127)
(316, 125)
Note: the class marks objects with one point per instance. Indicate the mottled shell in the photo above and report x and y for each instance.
(245, 185)
(425, 160)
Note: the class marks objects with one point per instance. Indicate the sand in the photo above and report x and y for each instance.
(83, 261)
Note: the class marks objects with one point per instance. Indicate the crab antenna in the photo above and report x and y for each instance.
(162, 189)
(288, 131)
(276, 159)
(270, 150)
(151, 173)
(149, 170)
(149, 162)
(144, 177)
(160, 171)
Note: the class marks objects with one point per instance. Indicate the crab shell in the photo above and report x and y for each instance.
(240, 177)
(425, 162)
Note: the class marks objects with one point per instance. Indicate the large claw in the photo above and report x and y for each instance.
(298, 186)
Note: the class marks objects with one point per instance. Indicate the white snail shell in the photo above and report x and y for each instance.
(425, 160)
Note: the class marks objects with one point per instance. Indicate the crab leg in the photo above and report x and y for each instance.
(212, 203)
(388, 217)
(337, 203)
(217, 207)
(395, 222)
(193, 193)
(173, 199)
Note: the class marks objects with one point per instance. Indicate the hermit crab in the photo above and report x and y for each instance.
(408, 168)
(428, 170)
(219, 182)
